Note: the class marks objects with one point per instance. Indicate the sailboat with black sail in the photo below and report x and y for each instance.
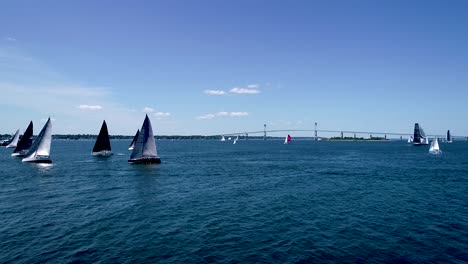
(449, 137)
(102, 147)
(40, 148)
(25, 143)
(419, 137)
(145, 151)
(132, 145)
(14, 142)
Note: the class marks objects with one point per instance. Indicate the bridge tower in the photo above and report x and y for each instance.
(246, 136)
(385, 136)
(316, 137)
(354, 135)
(264, 132)
(342, 134)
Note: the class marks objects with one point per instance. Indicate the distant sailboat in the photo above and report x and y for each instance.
(435, 149)
(223, 139)
(145, 151)
(132, 145)
(449, 137)
(235, 140)
(287, 139)
(14, 142)
(102, 147)
(25, 143)
(229, 138)
(40, 149)
(410, 139)
(419, 137)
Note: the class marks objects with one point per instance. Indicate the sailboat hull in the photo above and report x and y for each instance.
(37, 159)
(151, 160)
(19, 154)
(103, 153)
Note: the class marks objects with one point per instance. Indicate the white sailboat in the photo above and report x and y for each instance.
(40, 148)
(223, 139)
(145, 151)
(410, 139)
(287, 139)
(235, 140)
(14, 141)
(435, 149)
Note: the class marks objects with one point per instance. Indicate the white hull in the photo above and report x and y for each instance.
(103, 153)
(38, 159)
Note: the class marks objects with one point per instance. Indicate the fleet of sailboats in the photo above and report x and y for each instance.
(102, 147)
(40, 148)
(143, 144)
(25, 143)
(145, 151)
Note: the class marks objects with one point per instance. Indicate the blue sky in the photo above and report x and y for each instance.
(209, 67)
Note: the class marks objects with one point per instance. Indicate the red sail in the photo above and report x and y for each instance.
(289, 138)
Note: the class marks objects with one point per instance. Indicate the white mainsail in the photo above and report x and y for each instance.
(223, 139)
(14, 141)
(40, 149)
(235, 140)
(435, 146)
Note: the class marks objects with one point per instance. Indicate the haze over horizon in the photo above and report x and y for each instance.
(214, 67)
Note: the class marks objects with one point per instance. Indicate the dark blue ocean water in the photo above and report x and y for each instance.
(253, 202)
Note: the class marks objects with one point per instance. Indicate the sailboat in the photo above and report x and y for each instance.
(102, 146)
(40, 149)
(287, 139)
(223, 139)
(449, 137)
(25, 143)
(14, 142)
(145, 151)
(419, 137)
(410, 139)
(235, 140)
(435, 149)
(132, 145)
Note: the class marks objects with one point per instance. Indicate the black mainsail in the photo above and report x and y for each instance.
(145, 151)
(449, 137)
(102, 145)
(40, 149)
(25, 143)
(132, 145)
(419, 137)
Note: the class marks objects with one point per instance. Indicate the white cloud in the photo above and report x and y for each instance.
(214, 92)
(90, 107)
(10, 39)
(218, 114)
(238, 90)
(208, 116)
(238, 114)
(148, 109)
(253, 86)
(162, 114)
